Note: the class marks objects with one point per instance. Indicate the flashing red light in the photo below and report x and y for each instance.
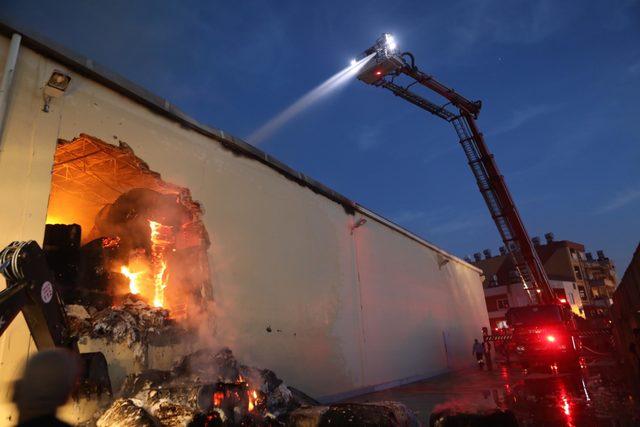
(551, 338)
(378, 73)
(563, 300)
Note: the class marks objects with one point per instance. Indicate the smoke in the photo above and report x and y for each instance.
(331, 85)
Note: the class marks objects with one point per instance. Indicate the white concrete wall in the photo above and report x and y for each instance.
(353, 310)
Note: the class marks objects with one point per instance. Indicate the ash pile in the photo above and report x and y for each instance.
(205, 388)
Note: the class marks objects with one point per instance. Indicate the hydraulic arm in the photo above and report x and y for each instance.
(31, 290)
(384, 70)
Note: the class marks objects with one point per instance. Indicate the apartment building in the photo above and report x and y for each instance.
(576, 277)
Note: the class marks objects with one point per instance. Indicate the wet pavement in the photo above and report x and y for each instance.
(596, 395)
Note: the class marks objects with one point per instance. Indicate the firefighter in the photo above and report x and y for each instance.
(478, 351)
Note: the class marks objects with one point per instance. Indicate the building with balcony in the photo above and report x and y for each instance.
(601, 279)
(577, 279)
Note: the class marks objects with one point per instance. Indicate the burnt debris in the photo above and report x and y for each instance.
(132, 322)
(204, 388)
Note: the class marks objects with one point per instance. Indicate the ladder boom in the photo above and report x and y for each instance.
(382, 71)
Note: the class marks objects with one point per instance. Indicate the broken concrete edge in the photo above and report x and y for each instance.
(96, 72)
(340, 397)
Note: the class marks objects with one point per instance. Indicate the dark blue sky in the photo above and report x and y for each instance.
(559, 81)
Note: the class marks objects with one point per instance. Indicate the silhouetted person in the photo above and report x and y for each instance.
(487, 355)
(478, 351)
(49, 378)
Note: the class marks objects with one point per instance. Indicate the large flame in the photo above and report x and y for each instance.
(160, 284)
(160, 241)
(134, 285)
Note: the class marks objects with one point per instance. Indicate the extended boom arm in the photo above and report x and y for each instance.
(382, 70)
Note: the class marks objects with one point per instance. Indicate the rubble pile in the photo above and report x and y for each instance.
(132, 322)
(205, 388)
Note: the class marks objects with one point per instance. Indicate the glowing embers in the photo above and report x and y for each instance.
(228, 400)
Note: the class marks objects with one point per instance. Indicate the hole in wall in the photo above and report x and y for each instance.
(115, 228)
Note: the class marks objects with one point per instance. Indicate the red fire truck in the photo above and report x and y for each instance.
(545, 330)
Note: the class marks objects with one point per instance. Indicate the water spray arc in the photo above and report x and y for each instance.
(331, 85)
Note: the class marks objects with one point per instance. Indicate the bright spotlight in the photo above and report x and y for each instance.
(353, 62)
(390, 41)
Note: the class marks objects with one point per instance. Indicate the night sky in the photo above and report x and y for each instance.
(559, 81)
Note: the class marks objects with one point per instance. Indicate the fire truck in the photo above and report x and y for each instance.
(545, 329)
(542, 334)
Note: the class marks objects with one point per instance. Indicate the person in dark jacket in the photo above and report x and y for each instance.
(478, 351)
(48, 380)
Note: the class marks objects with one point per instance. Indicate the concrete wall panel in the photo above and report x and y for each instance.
(282, 256)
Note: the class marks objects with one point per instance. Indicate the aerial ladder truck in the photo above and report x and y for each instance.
(545, 329)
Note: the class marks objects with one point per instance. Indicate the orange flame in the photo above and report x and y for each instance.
(134, 287)
(160, 284)
(160, 240)
(253, 399)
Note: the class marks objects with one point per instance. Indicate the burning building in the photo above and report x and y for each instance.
(128, 222)
(167, 236)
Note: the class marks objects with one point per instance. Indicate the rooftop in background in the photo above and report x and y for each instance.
(492, 264)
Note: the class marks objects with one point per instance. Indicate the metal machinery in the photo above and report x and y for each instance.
(382, 71)
(31, 289)
(545, 313)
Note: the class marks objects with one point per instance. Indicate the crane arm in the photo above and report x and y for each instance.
(470, 107)
(382, 71)
(503, 210)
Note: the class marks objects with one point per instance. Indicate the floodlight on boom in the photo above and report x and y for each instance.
(390, 42)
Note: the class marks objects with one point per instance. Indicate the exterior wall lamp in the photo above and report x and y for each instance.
(55, 87)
